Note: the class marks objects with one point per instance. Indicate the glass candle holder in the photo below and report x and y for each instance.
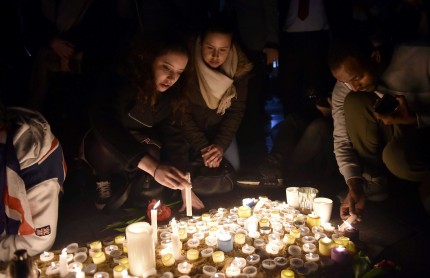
(239, 262)
(211, 241)
(308, 239)
(209, 270)
(184, 267)
(199, 236)
(259, 242)
(239, 238)
(309, 247)
(296, 263)
(312, 257)
(304, 231)
(294, 250)
(193, 243)
(232, 271)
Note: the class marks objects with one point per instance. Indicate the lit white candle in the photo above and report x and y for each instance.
(232, 271)
(154, 213)
(184, 267)
(188, 197)
(79, 274)
(176, 242)
(46, 256)
(64, 267)
(141, 253)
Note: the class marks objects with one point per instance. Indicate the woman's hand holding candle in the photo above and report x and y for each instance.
(195, 201)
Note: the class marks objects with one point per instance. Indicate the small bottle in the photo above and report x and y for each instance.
(22, 266)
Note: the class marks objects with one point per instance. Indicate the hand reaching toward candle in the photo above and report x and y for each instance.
(212, 155)
(196, 202)
(355, 199)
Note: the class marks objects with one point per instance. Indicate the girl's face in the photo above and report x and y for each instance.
(215, 48)
(167, 69)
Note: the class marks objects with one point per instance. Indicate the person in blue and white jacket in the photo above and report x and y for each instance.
(32, 172)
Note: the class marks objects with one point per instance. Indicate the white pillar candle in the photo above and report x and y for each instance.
(64, 267)
(188, 197)
(141, 253)
(176, 242)
(154, 213)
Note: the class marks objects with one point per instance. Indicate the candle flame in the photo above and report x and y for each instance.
(52, 264)
(156, 205)
(64, 250)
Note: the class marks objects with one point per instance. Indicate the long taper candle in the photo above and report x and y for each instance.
(154, 213)
(188, 197)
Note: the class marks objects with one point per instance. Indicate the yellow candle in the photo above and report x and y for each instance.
(343, 240)
(119, 239)
(295, 233)
(168, 259)
(325, 246)
(313, 220)
(212, 223)
(117, 271)
(264, 222)
(206, 217)
(99, 257)
(239, 238)
(96, 245)
(218, 256)
(124, 262)
(192, 254)
(244, 211)
(182, 234)
(289, 239)
(350, 247)
(287, 273)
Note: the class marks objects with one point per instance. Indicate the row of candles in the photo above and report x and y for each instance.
(271, 226)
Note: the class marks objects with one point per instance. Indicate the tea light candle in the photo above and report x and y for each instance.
(53, 269)
(302, 271)
(313, 220)
(110, 248)
(119, 239)
(46, 256)
(317, 229)
(299, 223)
(264, 222)
(317, 236)
(296, 263)
(64, 268)
(351, 233)
(312, 257)
(239, 262)
(259, 242)
(72, 247)
(265, 230)
(308, 239)
(289, 239)
(340, 255)
(199, 236)
(304, 231)
(99, 258)
(280, 261)
(232, 271)
(268, 264)
(309, 247)
(287, 273)
(295, 233)
(79, 274)
(168, 259)
(254, 234)
(191, 229)
(165, 235)
(207, 252)
(253, 259)
(118, 271)
(248, 249)
(325, 245)
(234, 211)
(272, 249)
(73, 267)
(80, 257)
(90, 269)
(218, 256)
(209, 270)
(225, 242)
(184, 267)
(206, 217)
(211, 241)
(250, 271)
(244, 211)
(294, 250)
(193, 243)
(192, 254)
(182, 233)
(328, 227)
(96, 245)
(101, 275)
(239, 238)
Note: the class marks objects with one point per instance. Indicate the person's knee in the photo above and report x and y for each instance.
(396, 160)
(359, 102)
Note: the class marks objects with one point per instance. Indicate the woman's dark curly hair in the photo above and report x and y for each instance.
(138, 66)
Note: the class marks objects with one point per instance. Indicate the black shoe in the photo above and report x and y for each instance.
(271, 167)
(112, 194)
